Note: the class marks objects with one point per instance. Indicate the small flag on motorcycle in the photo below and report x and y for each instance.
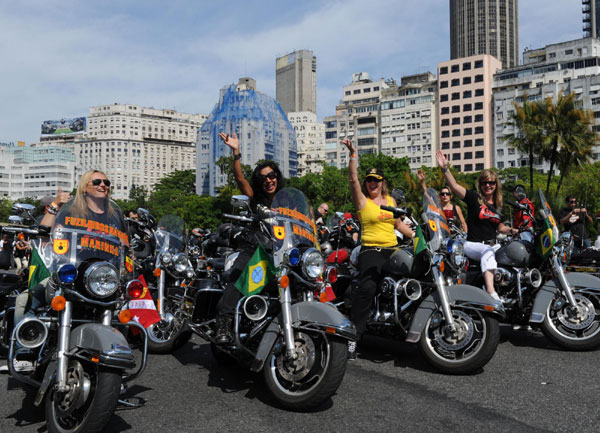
(419, 243)
(37, 269)
(257, 274)
(546, 241)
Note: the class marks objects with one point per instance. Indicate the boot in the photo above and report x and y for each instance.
(223, 334)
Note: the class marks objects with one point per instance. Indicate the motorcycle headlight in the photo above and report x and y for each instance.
(166, 258)
(292, 256)
(190, 272)
(180, 263)
(312, 263)
(457, 252)
(101, 279)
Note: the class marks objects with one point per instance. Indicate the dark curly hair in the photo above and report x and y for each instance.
(257, 184)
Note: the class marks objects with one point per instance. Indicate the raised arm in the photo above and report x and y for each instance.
(421, 177)
(457, 189)
(233, 142)
(50, 216)
(358, 197)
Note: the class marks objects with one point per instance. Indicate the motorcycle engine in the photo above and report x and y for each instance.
(503, 277)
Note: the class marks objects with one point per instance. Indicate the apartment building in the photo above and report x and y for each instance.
(310, 141)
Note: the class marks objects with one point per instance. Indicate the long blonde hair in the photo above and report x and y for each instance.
(497, 196)
(80, 207)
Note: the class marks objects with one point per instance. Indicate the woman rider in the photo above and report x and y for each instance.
(484, 216)
(451, 211)
(378, 238)
(265, 182)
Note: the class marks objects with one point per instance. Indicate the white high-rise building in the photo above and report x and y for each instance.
(296, 81)
(136, 145)
(310, 141)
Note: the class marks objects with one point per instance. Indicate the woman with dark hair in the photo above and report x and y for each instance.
(378, 238)
(484, 218)
(451, 211)
(266, 180)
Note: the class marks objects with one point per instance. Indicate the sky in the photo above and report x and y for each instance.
(59, 58)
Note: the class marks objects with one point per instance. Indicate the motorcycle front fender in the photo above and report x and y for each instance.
(108, 344)
(305, 315)
(459, 295)
(578, 282)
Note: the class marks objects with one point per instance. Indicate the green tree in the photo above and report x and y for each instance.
(5, 208)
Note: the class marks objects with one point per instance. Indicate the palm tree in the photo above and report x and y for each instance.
(528, 136)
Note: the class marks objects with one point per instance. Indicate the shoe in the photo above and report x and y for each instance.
(352, 353)
(223, 334)
(497, 300)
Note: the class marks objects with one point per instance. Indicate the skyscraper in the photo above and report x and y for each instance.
(591, 18)
(296, 81)
(485, 27)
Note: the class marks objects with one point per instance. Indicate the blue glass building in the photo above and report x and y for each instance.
(260, 124)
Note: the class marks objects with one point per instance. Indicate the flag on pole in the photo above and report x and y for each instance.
(37, 269)
(419, 243)
(547, 240)
(143, 309)
(257, 274)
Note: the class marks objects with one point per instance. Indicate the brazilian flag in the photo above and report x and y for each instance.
(419, 243)
(546, 240)
(257, 274)
(37, 269)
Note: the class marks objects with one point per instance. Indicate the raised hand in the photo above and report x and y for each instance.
(348, 144)
(230, 140)
(421, 175)
(441, 159)
(61, 197)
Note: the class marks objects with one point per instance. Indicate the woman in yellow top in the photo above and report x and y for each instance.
(378, 239)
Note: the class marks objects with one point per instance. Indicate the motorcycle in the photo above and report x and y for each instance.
(76, 358)
(538, 292)
(454, 325)
(298, 344)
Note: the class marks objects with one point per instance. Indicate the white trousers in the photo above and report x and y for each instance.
(486, 254)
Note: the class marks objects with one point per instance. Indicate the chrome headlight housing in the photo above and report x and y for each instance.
(166, 258)
(456, 251)
(312, 263)
(180, 263)
(101, 279)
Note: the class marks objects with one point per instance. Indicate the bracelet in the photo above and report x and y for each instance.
(353, 156)
(444, 169)
(52, 208)
(238, 156)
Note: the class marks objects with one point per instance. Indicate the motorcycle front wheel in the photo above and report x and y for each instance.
(306, 382)
(88, 404)
(464, 350)
(168, 335)
(575, 328)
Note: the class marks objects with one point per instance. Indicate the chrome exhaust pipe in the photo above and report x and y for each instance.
(534, 278)
(412, 289)
(255, 307)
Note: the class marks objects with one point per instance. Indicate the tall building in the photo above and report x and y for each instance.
(310, 141)
(409, 119)
(137, 146)
(568, 67)
(259, 122)
(296, 81)
(591, 18)
(485, 27)
(465, 111)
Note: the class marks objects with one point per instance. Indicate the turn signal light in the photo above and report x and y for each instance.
(157, 272)
(332, 274)
(125, 316)
(284, 281)
(58, 303)
(488, 308)
(135, 289)
(442, 266)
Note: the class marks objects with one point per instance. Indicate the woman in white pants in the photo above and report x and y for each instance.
(484, 218)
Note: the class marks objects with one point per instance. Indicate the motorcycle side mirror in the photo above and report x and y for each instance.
(399, 196)
(22, 207)
(240, 201)
(15, 219)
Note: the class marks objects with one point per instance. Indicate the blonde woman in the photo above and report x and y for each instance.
(484, 218)
(378, 239)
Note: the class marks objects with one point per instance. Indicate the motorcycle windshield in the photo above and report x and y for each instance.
(291, 222)
(78, 237)
(550, 235)
(435, 219)
(171, 234)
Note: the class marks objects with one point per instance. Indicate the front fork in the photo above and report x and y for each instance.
(441, 288)
(64, 341)
(286, 311)
(560, 274)
(161, 295)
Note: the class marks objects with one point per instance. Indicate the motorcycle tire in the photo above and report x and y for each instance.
(578, 332)
(314, 378)
(468, 349)
(76, 412)
(167, 338)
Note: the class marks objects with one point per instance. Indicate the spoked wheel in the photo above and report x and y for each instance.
(464, 350)
(574, 328)
(307, 381)
(88, 403)
(170, 334)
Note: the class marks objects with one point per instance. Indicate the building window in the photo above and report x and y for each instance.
(445, 145)
(478, 167)
(456, 132)
(466, 66)
(357, 91)
(479, 130)
(456, 157)
(456, 109)
(479, 105)
(468, 167)
(445, 110)
(445, 122)
(478, 78)
(479, 142)
(455, 68)
(479, 154)
(466, 80)
(456, 145)
(468, 131)
(455, 82)
(443, 70)
(443, 98)
(478, 64)
(568, 52)
(467, 119)
(455, 96)
(456, 120)
(445, 134)
(443, 84)
(479, 117)
(468, 155)
(467, 107)
(467, 94)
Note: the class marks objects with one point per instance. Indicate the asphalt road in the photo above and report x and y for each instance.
(529, 386)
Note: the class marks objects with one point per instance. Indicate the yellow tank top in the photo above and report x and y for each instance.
(377, 225)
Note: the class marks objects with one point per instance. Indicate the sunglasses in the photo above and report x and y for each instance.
(444, 193)
(271, 175)
(97, 182)
(373, 179)
(488, 182)
(573, 201)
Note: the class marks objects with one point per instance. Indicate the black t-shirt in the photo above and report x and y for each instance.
(482, 220)
(577, 227)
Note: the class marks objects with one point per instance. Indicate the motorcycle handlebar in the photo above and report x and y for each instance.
(396, 211)
(238, 218)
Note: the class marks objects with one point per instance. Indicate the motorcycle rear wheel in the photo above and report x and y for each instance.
(90, 403)
(465, 351)
(574, 330)
(166, 337)
(307, 382)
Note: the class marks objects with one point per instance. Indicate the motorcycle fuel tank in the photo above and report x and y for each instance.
(515, 254)
(403, 263)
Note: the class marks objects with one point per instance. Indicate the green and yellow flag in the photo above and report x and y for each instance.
(257, 274)
(419, 243)
(37, 269)
(546, 241)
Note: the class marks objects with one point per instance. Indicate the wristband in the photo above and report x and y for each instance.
(238, 156)
(52, 208)
(353, 155)
(444, 169)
